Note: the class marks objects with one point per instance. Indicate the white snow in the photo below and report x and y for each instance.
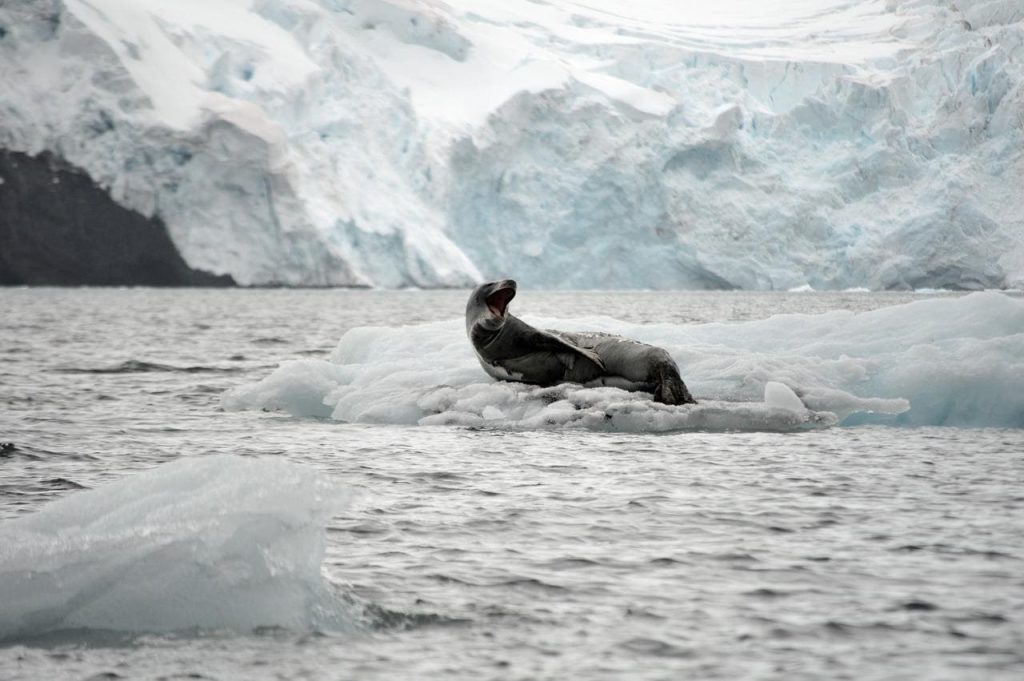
(203, 542)
(827, 144)
(930, 362)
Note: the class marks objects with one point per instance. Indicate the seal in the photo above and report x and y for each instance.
(509, 349)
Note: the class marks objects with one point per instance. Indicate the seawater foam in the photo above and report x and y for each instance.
(947, 361)
(212, 542)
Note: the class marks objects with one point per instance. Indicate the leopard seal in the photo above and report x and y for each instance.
(509, 349)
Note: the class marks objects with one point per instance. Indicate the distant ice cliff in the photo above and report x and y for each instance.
(829, 143)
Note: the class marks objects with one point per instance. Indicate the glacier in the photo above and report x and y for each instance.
(828, 144)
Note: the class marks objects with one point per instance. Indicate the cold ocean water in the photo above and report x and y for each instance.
(208, 484)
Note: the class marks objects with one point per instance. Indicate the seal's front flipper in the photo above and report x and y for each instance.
(591, 355)
(557, 342)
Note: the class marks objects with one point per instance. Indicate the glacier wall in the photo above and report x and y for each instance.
(390, 143)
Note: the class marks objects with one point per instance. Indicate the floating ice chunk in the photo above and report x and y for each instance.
(211, 542)
(947, 361)
(299, 388)
(843, 404)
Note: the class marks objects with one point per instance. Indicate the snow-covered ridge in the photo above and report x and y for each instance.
(596, 143)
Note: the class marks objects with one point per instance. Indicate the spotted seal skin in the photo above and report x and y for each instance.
(509, 349)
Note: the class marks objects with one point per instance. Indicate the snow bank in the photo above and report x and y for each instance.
(931, 362)
(210, 542)
(826, 143)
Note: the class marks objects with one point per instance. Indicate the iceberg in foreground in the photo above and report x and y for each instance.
(943, 361)
(211, 542)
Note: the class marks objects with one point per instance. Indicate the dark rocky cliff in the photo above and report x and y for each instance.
(57, 227)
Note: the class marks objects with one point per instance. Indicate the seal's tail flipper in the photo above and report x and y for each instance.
(670, 388)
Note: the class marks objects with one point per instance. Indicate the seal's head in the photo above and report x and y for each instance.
(488, 306)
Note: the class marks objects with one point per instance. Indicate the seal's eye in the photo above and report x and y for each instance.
(498, 301)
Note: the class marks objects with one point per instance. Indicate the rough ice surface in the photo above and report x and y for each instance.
(649, 144)
(931, 362)
(202, 542)
(781, 396)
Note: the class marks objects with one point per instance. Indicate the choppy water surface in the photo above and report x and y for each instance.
(868, 552)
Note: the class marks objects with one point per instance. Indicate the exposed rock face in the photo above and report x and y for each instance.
(57, 227)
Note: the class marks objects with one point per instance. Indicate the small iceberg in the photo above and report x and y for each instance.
(955, 361)
(215, 542)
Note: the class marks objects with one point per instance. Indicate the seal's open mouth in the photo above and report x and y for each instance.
(498, 301)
